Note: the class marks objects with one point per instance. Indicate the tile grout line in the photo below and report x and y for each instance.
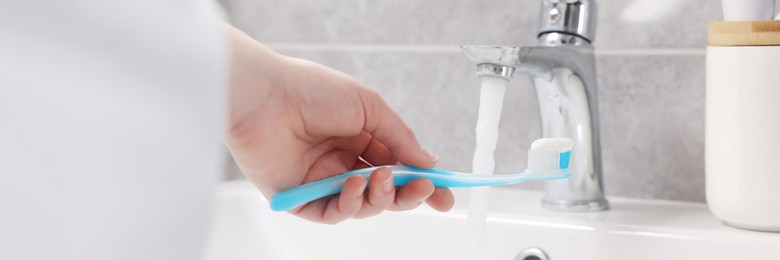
(413, 48)
(651, 51)
(337, 47)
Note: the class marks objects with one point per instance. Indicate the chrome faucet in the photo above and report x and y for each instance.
(563, 70)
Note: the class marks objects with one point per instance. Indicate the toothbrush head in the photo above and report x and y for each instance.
(549, 156)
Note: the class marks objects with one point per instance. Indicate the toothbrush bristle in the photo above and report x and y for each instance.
(549, 156)
(564, 159)
(540, 161)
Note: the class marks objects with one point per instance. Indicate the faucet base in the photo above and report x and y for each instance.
(576, 205)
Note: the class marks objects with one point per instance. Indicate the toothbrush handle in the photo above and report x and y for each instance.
(302, 194)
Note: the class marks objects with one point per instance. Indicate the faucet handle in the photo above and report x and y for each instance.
(570, 17)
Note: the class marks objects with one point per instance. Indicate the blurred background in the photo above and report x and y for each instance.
(650, 62)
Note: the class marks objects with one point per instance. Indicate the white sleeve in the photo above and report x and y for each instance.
(111, 114)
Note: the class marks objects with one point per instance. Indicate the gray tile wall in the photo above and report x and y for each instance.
(650, 58)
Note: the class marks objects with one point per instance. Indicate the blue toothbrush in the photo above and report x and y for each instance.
(548, 159)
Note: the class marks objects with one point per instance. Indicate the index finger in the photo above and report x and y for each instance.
(387, 127)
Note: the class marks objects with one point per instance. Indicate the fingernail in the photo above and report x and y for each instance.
(359, 192)
(429, 195)
(430, 155)
(387, 184)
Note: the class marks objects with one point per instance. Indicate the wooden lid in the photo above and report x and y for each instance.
(747, 33)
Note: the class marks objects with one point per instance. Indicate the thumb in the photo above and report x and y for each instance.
(388, 128)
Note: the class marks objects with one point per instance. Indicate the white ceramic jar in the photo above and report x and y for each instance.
(743, 123)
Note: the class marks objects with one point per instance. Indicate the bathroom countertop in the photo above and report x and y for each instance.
(626, 215)
(631, 229)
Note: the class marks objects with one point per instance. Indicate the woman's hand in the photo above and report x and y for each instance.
(293, 121)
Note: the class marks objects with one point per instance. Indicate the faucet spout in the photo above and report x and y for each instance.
(536, 61)
(565, 81)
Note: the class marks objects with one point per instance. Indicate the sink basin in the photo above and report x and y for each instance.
(245, 228)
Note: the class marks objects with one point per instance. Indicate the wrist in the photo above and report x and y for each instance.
(254, 72)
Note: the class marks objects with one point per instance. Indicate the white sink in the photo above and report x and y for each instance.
(633, 229)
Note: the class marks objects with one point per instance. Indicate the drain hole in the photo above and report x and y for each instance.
(532, 253)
